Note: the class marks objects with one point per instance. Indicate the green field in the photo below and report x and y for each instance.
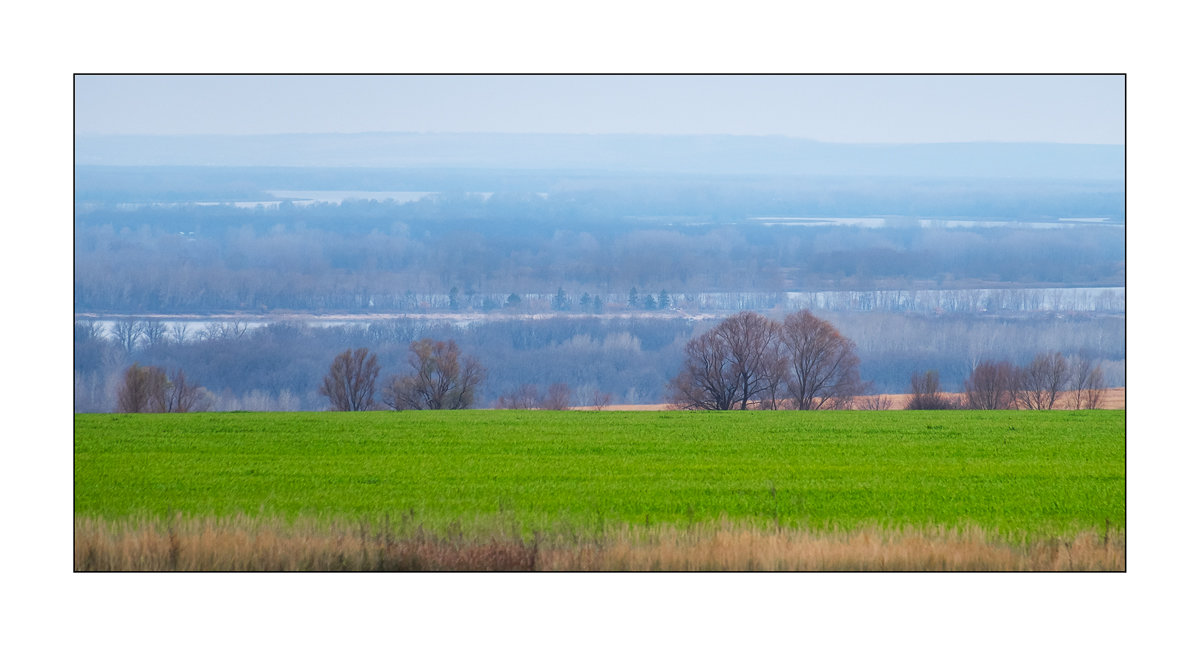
(1034, 472)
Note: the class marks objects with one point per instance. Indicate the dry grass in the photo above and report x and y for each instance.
(248, 544)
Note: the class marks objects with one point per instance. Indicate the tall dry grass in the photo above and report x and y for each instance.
(250, 544)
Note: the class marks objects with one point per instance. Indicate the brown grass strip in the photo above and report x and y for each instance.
(264, 545)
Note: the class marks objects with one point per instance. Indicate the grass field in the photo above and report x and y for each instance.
(1033, 485)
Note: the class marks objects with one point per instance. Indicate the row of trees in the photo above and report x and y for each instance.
(746, 361)
(441, 379)
(1037, 386)
(804, 363)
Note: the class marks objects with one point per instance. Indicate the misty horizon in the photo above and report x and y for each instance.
(669, 153)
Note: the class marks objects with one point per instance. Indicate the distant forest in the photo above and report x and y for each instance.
(588, 234)
(581, 247)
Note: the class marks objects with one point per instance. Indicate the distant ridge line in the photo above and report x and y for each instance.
(717, 154)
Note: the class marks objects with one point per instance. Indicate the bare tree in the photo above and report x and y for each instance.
(440, 380)
(525, 397)
(230, 330)
(822, 367)
(153, 330)
(601, 399)
(730, 366)
(992, 386)
(1087, 383)
(185, 397)
(350, 384)
(926, 393)
(236, 329)
(143, 390)
(1042, 381)
(88, 330)
(558, 397)
(126, 332)
(179, 332)
(211, 332)
(874, 402)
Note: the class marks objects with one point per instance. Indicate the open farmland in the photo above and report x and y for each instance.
(481, 489)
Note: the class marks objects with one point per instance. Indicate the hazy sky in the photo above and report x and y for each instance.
(884, 109)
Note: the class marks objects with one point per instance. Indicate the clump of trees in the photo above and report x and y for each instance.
(1040, 385)
(926, 393)
(526, 396)
(441, 378)
(992, 385)
(147, 389)
(749, 361)
(731, 366)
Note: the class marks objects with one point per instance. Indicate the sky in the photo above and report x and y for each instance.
(832, 108)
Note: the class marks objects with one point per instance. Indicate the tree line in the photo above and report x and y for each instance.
(1039, 385)
(279, 365)
(747, 361)
(373, 257)
(805, 363)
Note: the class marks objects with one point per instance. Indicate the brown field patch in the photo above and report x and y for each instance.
(1112, 399)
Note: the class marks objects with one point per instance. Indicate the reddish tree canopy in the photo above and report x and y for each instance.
(822, 367)
(146, 389)
(992, 385)
(350, 384)
(440, 379)
(926, 393)
(143, 390)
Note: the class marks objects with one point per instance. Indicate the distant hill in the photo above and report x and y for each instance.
(620, 153)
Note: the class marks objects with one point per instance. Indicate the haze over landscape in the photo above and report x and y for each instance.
(586, 258)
